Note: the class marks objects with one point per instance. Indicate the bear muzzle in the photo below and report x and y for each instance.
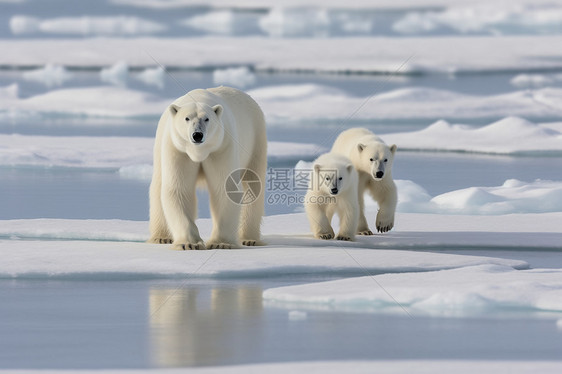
(197, 137)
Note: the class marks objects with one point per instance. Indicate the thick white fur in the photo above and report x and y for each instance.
(234, 138)
(333, 171)
(362, 146)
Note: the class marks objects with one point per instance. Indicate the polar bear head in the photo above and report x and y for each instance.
(197, 129)
(333, 174)
(375, 158)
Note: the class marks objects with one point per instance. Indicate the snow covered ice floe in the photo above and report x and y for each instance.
(116, 74)
(222, 22)
(534, 80)
(50, 75)
(286, 104)
(514, 196)
(297, 102)
(343, 55)
(240, 77)
(152, 77)
(445, 292)
(511, 135)
(485, 18)
(104, 101)
(85, 26)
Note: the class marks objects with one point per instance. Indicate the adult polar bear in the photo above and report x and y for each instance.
(202, 138)
(373, 160)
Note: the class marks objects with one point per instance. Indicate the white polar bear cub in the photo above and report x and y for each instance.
(333, 189)
(373, 160)
(203, 137)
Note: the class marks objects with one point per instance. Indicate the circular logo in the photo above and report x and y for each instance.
(243, 186)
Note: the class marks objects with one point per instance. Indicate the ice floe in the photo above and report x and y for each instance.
(492, 18)
(514, 196)
(105, 101)
(286, 104)
(222, 22)
(511, 135)
(50, 75)
(152, 77)
(281, 22)
(86, 26)
(240, 77)
(338, 55)
(293, 102)
(116, 74)
(478, 288)
(533, 80)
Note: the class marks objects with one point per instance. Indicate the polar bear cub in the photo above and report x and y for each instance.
(333, 189)
(373, 160)
(203, 137)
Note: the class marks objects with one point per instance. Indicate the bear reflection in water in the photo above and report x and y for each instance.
(201, 326)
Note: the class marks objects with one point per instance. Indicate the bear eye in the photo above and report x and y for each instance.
(340, 178)
(372, 160)
(187, 118)
(327, 178)
(386, 160)
(206, 120)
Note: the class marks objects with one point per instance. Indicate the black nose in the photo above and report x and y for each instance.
(197, 137)
(334, 191)
(380, 174)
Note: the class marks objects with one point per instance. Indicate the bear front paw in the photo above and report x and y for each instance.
(365, 232)
(188, 246)
(343, 237)
(325, 236)
(384, 227)
(384, 221)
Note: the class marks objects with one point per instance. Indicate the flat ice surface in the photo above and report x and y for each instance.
(291, 249)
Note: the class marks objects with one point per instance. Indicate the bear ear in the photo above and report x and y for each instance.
(393, 148)
(349, 168)
(360, 147)
(174, 109)
(218, 110)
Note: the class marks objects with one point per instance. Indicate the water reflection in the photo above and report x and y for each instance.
(199, 325)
